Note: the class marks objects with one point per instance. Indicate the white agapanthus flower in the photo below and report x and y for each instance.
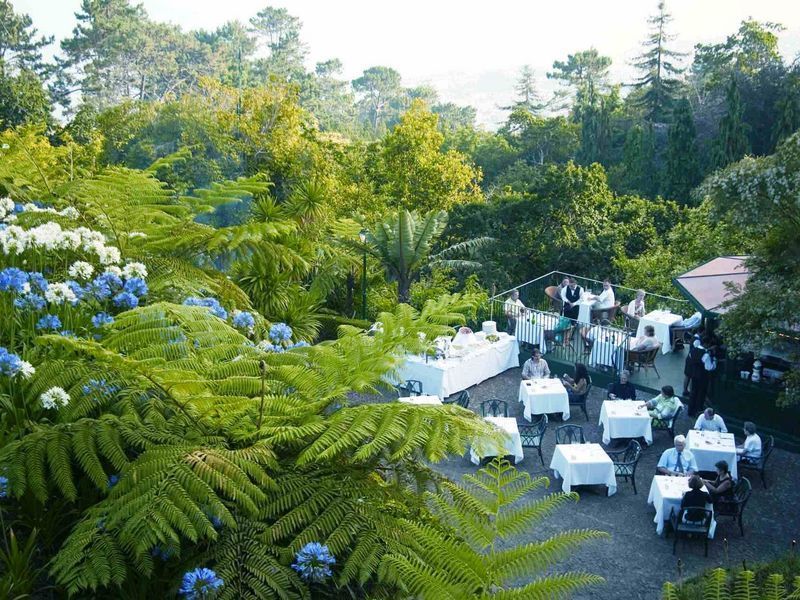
(108, 255)
(59, 293)
(26, 369)
(114, 270)
(70, 213)
(137, 234)
(6, 207)
(14, 240)
(81, 270)
(55, 397)
(134, 269)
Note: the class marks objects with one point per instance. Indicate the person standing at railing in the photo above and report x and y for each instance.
(514, 309)
(571, 296)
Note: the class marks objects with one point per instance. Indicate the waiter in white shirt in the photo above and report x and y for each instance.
(514, 309)
(709, 421)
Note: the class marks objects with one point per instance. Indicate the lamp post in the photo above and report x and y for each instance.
(362, 235)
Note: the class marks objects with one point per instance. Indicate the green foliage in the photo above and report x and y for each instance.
(489, 508)
(719, 584)
(682, 171)
(731, 143)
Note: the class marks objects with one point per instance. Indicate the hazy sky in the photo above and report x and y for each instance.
(470, 51)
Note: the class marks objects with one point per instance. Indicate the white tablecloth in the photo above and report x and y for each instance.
(710, 447)
(624, 419)
(585, 311)
(513, 442)
(533, 333)
(421, 400)
(666, 493)
(542, 396)
(661, 320)
(609, 350)
(583, 464)
(448, 376)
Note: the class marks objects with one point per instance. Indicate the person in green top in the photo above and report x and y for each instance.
(665, 405)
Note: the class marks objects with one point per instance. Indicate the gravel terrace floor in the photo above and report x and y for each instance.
(635, 561)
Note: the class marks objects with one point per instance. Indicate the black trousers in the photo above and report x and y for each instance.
(697, 394)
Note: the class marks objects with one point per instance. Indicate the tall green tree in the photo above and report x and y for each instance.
(595, 127)
(279, 32)
(528, 97)
(637, 173)
(682, 171)
(23, 99)
(580, 72)
(376, 89)
(732, 142)
(787, 108)
(20, 45)
(659, 80)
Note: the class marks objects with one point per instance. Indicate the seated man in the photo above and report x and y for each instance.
(606, 297)
(709, 421)
(535, 367)
(514, 309)
(677, 461)
(750, 451)
(622, 389)
(645, 342)
(665, 405)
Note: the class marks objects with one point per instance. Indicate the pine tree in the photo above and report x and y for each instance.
(682, 167)
(594, 119)
(660, 73)
(528, 97)
(732, 142)
(638, 160)
(787, 108)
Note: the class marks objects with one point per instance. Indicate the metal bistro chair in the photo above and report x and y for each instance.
(735, 507)
(580, 401)
(644, 360)
(680, 336)
(556, 304)
(532, 434)
(667, 424)
(625, 461)
(631, 321)
(699, 525)
(460, 399)
(495, 406)
(607, 313)
(570, 434)
(761, 464)
(411, 387)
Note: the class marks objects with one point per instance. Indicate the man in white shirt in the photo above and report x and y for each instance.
(709, 421)
(513, 308)
(677, 461)
(636, 307)
(535, 367)
(750, 451)
(606, 297)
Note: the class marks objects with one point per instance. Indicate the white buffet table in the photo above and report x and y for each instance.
(447, 376)
(543, 396)
(661, 320)
(625, 419)
(666, 493)
(709, 447)
(583, 464)
(422, 400)
(513, 442)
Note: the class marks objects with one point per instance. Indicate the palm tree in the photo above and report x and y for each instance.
(403, 242)
(479, 563)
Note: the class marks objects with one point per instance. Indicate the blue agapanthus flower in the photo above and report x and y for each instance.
(313, 562)
(200, 583)
(112, 481)
(161, 553)
(67, 333)
(3, 486)
(244, 320)
(13, 279)
(38, 282)
(300, 344)
(99, 389)
(280, 332)
(210, 303)
(51, 322)
(136, 286)
(106, 285)
(29, 302)
(102, 318)
(10, 364)
(126, 300)
(77, 289)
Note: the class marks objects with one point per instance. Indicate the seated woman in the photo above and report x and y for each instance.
(577, 386)
(695, 498)
(721, 489)
(750, 451)
(645, 342)
(636, 307)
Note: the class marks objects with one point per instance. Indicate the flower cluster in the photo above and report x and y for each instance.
(55, 397)
(81, 270)
(99, 389)
(280, 332)
(3, 486)
(161, 553)
(49, 322)
(313, 562)
(8, 208)
(12, 365)
(212, 304)
(14, 280)
(50, 236)
(244, 320)
(200, 583)
(101, 319)
(112, 481)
